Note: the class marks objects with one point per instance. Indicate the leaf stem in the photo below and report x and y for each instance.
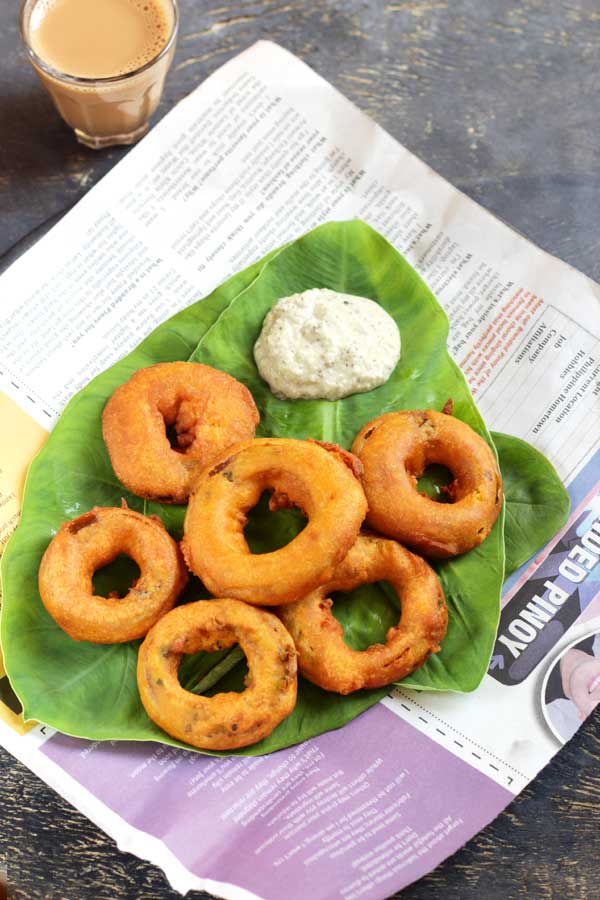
(218, 671)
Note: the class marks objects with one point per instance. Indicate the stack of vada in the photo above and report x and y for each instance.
(184, 432)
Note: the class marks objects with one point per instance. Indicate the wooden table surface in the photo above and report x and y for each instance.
(502, 98)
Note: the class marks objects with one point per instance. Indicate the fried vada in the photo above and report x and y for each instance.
(396, 448)
(227, 720)
(93, 540)
(324, 657)
(207, 410)
(321, 480)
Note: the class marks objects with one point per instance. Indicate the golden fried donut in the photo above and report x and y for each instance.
(396, 448)
(230, 719)
(324, 657)
(92, 541)
(321, 480)
(208, 409)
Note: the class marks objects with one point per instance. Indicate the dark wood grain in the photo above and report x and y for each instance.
(500, 97)
(503, 99)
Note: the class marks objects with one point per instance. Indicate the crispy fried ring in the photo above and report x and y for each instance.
(395, 450)
(208, 409)
(324, 657)
(226, 720)
(93, 540)
(320, 480)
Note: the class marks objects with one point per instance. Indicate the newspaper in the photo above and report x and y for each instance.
(261, 152)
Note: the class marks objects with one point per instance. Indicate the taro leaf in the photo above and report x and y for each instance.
(537, 503)
(89, 690)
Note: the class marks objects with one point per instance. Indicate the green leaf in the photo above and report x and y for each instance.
(90, 690)
(537, 502)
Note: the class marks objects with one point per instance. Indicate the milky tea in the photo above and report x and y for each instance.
(103, 62)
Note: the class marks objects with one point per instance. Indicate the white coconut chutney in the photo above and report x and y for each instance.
(324, 345)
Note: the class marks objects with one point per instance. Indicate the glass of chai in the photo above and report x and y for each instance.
(103, 62)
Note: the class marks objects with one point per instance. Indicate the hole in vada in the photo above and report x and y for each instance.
(366, 613)
(434, 483)
(267, 530)
(117, 578)
(214, 673)
(173, 437)
(181, 423)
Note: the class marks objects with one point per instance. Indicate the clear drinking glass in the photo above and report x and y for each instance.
(110, 110)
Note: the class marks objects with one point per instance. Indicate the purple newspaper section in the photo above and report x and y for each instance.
(355, 813)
